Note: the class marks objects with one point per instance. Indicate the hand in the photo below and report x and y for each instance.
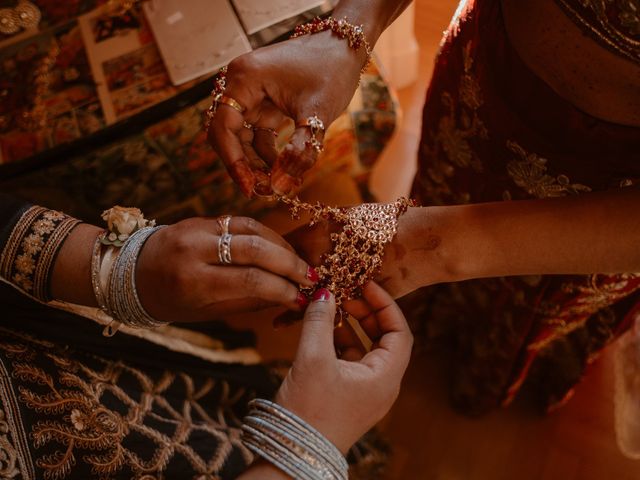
(417, 256)
(345, 397)
(179, 277)
(299, 78)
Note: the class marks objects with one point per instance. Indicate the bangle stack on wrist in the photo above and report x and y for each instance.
(292, 445)
(113, 269)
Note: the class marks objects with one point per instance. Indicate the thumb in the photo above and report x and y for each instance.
(299, 155)
(316, 340)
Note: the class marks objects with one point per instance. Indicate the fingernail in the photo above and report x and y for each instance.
(302, 300)
(322, 295)
(312, 275)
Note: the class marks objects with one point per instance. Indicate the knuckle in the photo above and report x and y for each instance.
(255, 246)
(251, 278)
(240, 65)
(252, 226)
(316, 315)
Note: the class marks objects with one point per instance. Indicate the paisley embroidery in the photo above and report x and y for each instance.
(122, 422)
(529, 172)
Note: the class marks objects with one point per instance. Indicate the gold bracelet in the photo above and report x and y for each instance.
(354, 34)
(357, 250)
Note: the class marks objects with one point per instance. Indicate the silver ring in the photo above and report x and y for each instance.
(224, 222)
(224, 249)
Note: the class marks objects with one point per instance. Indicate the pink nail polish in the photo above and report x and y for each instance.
(312, 275)
(322, 295)
(302, 300)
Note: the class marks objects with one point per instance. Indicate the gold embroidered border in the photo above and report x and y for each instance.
(15, 458)
(603, 29)
(29, 254)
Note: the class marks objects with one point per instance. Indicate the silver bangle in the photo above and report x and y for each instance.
(291, 444)
(122, 297)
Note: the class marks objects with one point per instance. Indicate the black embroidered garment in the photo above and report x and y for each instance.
(76, 405)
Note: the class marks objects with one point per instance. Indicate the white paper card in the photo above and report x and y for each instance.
(195, 37)
(259, 14)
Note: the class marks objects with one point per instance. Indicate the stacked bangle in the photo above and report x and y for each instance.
(31, 250)
(113, 269)
(292, 445)
(122, 297)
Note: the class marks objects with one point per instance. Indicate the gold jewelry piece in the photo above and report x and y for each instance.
(224, 249)
(248, 126)
(231, 102)
(219, 86)
(25, 15)
(354, 34)
(358, 249)
(316, 126)
(224, 222)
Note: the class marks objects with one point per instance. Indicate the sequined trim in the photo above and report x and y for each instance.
(15, 459)
(614, 23)
(29, 254)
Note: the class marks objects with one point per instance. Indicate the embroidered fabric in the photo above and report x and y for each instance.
(494, 131)
(614, 23)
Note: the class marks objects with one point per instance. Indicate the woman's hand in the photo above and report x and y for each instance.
(179, 276)
(296, 79)
(419, 254)
(345, 395)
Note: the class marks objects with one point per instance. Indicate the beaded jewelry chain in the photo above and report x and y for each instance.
(358, 249)
(353, 34)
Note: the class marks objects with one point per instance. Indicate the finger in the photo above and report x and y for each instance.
(250, 226)
(259, 252)
(396, 339)
(366, 317)
(240, 283)
(247, 138)
(296, 158)
(270, 121)
(345, 338)
(316, 339)
(223, 135)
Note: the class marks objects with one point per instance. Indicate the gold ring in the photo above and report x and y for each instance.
(231, 102)
(224, 222)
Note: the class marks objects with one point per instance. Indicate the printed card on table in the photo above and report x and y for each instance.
(195, 37)
(258, 14)
(125, 62)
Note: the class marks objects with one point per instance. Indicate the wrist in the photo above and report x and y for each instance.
(71, 277)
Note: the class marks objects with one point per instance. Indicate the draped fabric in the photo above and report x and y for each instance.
(493, 131)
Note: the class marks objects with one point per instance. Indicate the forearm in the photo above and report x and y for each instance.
(71, 276)
(374, 15)
(262, 470)
(594, 233)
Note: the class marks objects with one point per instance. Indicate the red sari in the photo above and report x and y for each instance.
(494, 131)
